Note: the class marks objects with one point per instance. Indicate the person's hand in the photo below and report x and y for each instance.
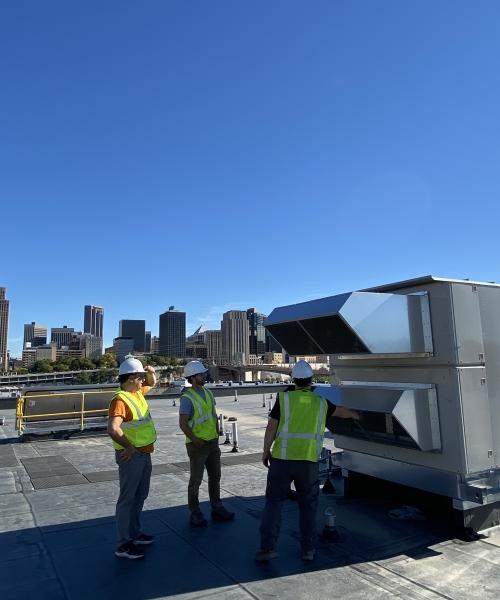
(149, 369)
(198, 443)
(127, 454)
(266, 459)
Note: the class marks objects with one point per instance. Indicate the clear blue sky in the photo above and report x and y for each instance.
(227, 154)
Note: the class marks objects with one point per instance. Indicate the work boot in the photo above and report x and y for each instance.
(308, 555)
(222, 514)
(129, 550)
(265, 555)
(197, 519)
(144, 539)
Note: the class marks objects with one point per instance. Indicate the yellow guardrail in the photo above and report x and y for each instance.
(22, 418)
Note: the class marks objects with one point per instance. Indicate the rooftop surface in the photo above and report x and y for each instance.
(57, 530)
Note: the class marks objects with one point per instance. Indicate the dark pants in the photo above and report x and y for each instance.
(208, 456)
(135, 475)
(305, 475)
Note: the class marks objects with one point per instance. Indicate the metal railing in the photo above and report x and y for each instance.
(24, 418)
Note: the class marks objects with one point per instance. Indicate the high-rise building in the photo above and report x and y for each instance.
(195, 344)
(34, 335)
(122, 347)
(147, 344)
(213, 343)
(257, 332)
(235, 336)
(4, 327)
(93, 317)
(173, 333)
(62, 335)
(155, 345)
(135, 329)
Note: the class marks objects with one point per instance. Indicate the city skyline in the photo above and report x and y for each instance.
(353, 145)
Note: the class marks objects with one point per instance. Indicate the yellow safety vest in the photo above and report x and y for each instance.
(203, 423)
(141, 430)
(301, 427)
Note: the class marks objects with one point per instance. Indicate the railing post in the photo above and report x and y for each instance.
(82, 412)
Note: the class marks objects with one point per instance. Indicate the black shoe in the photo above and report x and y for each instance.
(222, 514)
(197, 519)
(129, 550)
(263, 556)
(144, 539)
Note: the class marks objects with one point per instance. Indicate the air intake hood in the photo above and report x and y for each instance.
(354, 323)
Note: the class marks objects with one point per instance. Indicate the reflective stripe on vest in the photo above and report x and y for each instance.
(140, 431)
(203, 422)
(313, 422)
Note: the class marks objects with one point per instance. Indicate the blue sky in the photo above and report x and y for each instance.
(228, 154)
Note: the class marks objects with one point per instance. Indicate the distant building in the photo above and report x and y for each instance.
(195, 344)
(29, 357)
(93, 318)
(257, 332)
(4, 327)
(93, 323)
(34, 335)
(147, 344)
(173, 333)
(62, 335)
(214, 345)
(91, 345)
(155, 345)
(235, 336)
(46, 352)
(273, 358)
(123, 346)
(135, 329)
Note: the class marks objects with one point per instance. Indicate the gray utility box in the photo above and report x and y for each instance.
(421, 360)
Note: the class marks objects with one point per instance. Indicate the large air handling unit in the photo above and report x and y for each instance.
(420, 359)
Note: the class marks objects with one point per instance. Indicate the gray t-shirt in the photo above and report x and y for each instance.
(186, 406)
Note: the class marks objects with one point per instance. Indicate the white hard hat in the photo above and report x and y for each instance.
(131, 365)
(302, 370)
(194, 367)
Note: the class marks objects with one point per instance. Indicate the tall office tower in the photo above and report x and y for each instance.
(135, 329)
(34, 335)
(122, 347)
(93, 317)
(4, 327)
(173, 333)
(257, 335)
(213, 343)
(147, 343)
(155, 345)
(235, 336)
(62, 335)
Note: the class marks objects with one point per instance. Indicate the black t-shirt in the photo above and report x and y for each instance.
(276, 411)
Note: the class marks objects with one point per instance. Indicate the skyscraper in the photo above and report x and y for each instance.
(135, 329)
(4, 327)
(34, 335)
(213, 342)
(93, 320)
(257, 333)
(173, 333)
(235, 336)
(62, 335)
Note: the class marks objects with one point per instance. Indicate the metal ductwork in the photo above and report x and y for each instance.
(355, 323)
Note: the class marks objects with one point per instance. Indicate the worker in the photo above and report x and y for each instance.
(132, 430)
(198, 421)
(295, 431)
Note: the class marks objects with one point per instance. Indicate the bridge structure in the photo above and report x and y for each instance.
(254, 372)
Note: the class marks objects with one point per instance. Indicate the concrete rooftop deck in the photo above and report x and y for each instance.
(58, 542)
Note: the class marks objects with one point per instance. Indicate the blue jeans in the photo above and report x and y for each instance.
(305, 475)
(135, 475)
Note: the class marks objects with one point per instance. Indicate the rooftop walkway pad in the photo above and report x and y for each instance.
(57, 500)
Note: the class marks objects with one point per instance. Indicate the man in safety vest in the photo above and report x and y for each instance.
(132, 430)
(297, 427)
(198, 421)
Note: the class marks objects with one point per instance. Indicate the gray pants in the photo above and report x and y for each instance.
(208, 456)
(135, 475)
(305, 475)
